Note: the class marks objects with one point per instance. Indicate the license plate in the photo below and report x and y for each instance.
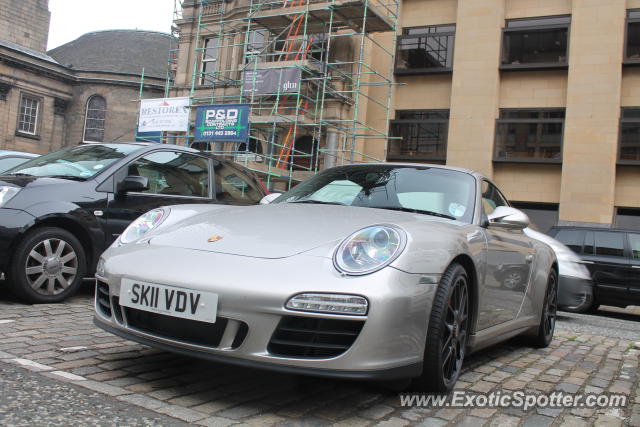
(169, 300)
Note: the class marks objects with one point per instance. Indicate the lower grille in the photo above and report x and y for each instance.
(183, 330)
(102, 298)
(309, 337)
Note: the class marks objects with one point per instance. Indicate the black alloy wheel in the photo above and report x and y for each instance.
(447, 333)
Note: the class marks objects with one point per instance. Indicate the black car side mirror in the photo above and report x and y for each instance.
(133, 183)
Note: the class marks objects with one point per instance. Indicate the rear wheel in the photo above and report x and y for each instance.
(447, 333)
(549, 312)
(48, 266)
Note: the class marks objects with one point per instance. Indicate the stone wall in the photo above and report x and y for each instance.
(25, 22)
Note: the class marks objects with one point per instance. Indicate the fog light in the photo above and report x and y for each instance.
(329, 303)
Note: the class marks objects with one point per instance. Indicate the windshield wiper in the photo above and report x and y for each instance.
(319, 202)
(17, 174)
(71, 177)
(418, 211)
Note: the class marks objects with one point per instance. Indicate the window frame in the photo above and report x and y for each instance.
(625, 59)
(122, 173)
(446, 121)
(203, 61)
(86, 117)
(623, 120)
(532, 160)
(540, 65)
(420, 71)
(36, 126)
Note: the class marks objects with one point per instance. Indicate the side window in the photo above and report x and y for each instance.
(609, 244)
(233, 186)
(173, 173)
(572, 239)
(491, 198)
(634, 240)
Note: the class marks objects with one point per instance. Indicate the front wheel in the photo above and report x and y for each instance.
(48, 266)
(549, 313)
(447, 333)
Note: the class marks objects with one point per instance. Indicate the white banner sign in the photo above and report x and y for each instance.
(164, 114)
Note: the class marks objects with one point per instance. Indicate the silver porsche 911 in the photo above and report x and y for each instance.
(371, 271)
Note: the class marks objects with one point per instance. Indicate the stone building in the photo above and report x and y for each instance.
(85, 90)
(541, 95)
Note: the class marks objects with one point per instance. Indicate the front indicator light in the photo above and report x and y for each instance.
(329, 303)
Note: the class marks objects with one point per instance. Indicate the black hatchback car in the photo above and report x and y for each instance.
(60, 211)
(613, 258)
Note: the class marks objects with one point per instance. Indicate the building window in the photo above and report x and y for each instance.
(629, 151)
(423, 50)
(422, 135)
(542, 215)
(530, 135)
(209, 61)
(628, 218)
(257, 41)
(536, 43)
(632, 48)
(28, 114)
(94, 119)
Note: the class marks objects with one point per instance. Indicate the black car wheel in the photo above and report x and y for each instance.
(48, 266)
(447, 333)
(549, 313)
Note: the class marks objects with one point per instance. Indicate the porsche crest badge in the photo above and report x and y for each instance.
(214, 239)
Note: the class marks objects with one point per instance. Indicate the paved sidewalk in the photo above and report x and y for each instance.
(60, 342)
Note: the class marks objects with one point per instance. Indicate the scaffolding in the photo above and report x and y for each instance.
(337, 57)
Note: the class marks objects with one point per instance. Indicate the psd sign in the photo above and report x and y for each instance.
(222, 123)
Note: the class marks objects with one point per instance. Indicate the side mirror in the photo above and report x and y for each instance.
(133, 183)
(509, 218)
(269, 198)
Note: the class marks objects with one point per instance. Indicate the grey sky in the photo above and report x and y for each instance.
(72, 18)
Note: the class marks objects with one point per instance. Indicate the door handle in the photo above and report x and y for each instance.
(529, 259)
(585, 262)
(635, 266)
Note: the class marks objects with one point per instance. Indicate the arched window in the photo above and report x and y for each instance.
(94, 119)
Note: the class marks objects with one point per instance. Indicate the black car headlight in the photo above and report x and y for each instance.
(7, 193)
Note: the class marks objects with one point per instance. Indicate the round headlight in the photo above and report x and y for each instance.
(369, 249)
(141, 226)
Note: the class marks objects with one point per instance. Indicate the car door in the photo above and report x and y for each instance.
(604, 255)
(634, 270)
(510, 255)
(174, 178)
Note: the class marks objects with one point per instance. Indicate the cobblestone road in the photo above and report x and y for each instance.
(61, 343)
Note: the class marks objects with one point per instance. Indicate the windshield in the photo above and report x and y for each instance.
(81, 162)
(435, 191)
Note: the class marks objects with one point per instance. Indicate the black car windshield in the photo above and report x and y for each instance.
(432, 191)
(81, 162)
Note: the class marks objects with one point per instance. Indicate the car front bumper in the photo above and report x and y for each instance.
(13, 222)
(253, 292)
(574, 293)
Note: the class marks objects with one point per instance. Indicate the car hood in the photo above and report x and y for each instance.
(278, 230)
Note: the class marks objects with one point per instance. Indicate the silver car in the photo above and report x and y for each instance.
(371, 271)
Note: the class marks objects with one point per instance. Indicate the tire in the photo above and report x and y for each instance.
(48, 266)
(548, 316)
(447, 333)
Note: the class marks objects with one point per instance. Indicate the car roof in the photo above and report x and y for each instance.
(577, 227)
(145, 144)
